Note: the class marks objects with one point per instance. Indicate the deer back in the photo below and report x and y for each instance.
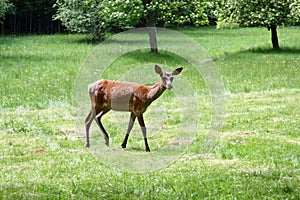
(120, 96)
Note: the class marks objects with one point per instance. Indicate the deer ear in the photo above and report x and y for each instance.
(158, 69)
(177, 71)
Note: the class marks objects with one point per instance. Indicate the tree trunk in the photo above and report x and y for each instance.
(151, 28)
(152, 37)
(274, 37)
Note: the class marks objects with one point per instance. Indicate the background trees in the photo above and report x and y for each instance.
(30, 16)
(268, 13)
(100, 16)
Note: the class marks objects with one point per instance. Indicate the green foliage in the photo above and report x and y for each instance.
(5, 6)
(97, 17)
(178, 12)
(79, 16)
(118, 15)
(266, 13)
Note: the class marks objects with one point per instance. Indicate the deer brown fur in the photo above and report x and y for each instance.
(106, 95)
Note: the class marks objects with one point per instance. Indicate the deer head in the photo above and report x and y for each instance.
(167, 77)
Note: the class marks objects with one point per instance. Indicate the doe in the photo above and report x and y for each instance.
(106, 95)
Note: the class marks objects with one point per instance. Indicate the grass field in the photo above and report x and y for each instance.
(256, 157)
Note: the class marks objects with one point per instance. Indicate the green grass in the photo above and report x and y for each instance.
(37, 71)
(256, 157)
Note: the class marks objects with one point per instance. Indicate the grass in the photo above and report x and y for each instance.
(37, 71)
(256, 157)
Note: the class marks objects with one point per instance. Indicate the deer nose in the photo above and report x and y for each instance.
(169, 86)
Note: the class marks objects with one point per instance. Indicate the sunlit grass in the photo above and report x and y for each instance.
(37, 71)
(256, 155)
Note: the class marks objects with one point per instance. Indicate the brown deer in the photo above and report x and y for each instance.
(106, 95)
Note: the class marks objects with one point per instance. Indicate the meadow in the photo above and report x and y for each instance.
(256, 155)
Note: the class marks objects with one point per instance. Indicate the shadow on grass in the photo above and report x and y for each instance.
(267, 50)
(108, 41)
(88, 40)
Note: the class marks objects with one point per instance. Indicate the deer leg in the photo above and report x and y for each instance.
(143, 127)
(98, 120)
(88, 122)
(130, 125)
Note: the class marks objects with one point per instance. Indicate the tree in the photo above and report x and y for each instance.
(267, 13)
(150, 23)
(5, 6)
(173, 13)
(100, 16)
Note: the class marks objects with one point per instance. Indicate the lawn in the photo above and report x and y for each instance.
(256, 156)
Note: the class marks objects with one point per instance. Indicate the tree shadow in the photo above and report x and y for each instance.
(268, 50)
(262, 50)
(88, 40)
(108, 37)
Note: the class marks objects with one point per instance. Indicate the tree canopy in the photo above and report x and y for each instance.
(100, 16)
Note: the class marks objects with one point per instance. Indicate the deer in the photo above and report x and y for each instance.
(106, 95)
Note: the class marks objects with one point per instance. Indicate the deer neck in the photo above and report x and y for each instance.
(156, 90)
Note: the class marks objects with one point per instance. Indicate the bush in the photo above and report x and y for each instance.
(98, 17)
